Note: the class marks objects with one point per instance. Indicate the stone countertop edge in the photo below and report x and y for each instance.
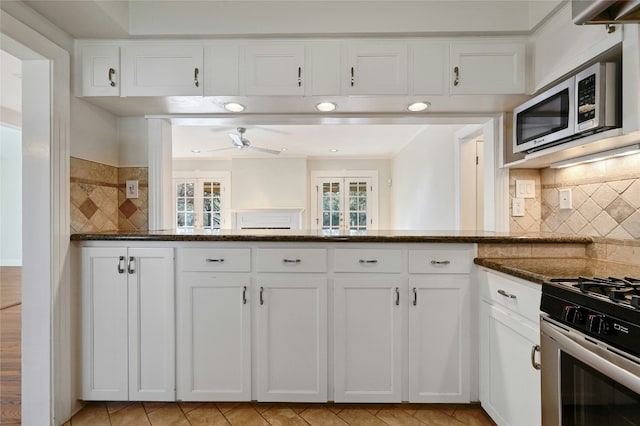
(376, 237)
(496, 265)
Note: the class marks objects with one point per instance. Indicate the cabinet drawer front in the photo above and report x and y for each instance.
(214, 259)
(291, 260)
(449, 260)
(363, 260)
(512, 295)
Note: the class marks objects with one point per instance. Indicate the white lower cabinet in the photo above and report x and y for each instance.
(128, 346)
(509, 383)
(214, 337)
(439, 338)
(367, 335)
(291, 337)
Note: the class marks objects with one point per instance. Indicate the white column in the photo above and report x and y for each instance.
(631, 78)
(160, 169)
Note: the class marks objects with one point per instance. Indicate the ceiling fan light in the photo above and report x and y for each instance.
(418, 106)
(234, 107)
(326, 106)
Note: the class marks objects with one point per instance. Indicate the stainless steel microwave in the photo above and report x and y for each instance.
(585, 103)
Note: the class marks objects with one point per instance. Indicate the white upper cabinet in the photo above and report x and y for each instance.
(162, 70)
(100, 70)
(429, 68)
(222, 70)
(326, 69)
(487, 68)
(377, 69)
(274, 69)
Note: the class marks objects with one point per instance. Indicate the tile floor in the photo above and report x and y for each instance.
(251, 413)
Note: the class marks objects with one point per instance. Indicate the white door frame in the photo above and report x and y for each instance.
(49, 377)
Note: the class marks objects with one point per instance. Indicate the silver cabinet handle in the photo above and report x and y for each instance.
(111, 73)
(196, 71)
(261, 298)
(456, 73)
(534, 349)
(440, 262)
(120, 265)
(291, 260)
(353, 79)
(132, 265)
(397, 296)
(367, 261)
(415, 296)
(505, 294)
(299, 76)
(221, 260)
(244, 295)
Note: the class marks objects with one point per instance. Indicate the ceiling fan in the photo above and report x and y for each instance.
(240, 142)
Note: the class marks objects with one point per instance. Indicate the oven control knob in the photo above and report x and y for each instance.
(573, 314)
(598, 324)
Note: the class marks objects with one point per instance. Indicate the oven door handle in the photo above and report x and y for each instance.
(622, 369)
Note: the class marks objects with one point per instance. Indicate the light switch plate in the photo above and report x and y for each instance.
(132, 189)
(525, 189)
(565, 200)
(517, 207)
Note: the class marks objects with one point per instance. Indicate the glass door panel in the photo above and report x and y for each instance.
(185, 204)
(340, 198)
(358, 205)
(331, 205)
(211, 203)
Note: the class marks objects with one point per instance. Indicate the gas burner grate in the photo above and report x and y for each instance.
(625, 289)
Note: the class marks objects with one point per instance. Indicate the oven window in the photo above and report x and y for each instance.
(591, 398)
(544, 118)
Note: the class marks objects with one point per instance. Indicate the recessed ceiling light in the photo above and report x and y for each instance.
(195, 151)
(333, 150)
(326, 106)
(283, 149)
(234, 107)
(418, 106)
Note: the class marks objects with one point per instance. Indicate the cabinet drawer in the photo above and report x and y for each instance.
(214, 260)
(446, 260)
(291, 260)
(513, 295)
(363, 260)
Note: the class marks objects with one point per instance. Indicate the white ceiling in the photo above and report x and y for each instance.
(301, 141)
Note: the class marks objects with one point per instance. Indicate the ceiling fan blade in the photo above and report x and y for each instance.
(237, 140)
(222, 149)
(265, 150)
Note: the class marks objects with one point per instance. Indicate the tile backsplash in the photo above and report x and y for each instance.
(98, 200)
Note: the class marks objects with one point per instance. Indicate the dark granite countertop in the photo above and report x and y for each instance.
(285, 235)
(539, 270)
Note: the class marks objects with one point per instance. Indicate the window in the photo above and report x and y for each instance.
(345, 203)
(201, 200)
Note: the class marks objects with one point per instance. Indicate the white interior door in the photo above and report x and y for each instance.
(201, 202)
(344, 204)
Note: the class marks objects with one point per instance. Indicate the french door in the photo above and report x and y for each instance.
(345, 204)
(201, 202)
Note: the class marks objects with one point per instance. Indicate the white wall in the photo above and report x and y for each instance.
(94, 133)
(10, 196)
(422, 194)
(384, 174)
(269, 183)
(204, 165)
(132, 142)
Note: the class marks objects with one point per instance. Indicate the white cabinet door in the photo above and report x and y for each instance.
(509, 385)
(151, 324)
(487, 69)
(377, 69)
(104, 324)
(292, 338)
(222, 70)
(326, 69)
(100, 70)
(367, 339)
(439, 336)
(214, 337)
(274, 69)
(162, 71)
(430, 68)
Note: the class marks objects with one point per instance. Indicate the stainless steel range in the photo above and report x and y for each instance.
(590, 351)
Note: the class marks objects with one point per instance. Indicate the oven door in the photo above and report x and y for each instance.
(585, 382)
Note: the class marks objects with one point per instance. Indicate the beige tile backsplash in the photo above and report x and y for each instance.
(98, 201)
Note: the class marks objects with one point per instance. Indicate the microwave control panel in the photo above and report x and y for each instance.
(586, 95)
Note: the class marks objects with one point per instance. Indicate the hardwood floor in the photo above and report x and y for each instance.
(10, 345)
